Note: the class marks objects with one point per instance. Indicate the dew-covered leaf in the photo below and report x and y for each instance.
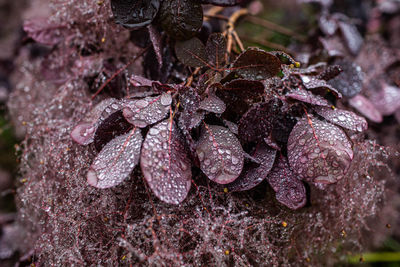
(256, 64)
(134, 14)
(387, 100)
(43, 31)
(352, 37)
(220, 154)
(191, 52)
(318, 151)
(334, 46)
(156, 41)
(257, 122)
(319, 86)
(112, 126)
(366, 108)
(148, 110)
(330, 72)
(290, 191)
(84, 132)
(308, 97)
(343, 118)
(239, 95)
(349, 82)
(181, 19)
(222, 2)
(165, 163)
(253, 174)
(116, 160)
(213, 104)
(216, 49)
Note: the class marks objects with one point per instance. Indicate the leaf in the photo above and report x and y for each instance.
(220, 154)
(213, 104)
(156, 41)
(349, 82)
(343, 118)
(387, 100)
(134, 14)
(366, 108)
(165, 164)
(256, 64)
(222, 2)
(239, 95)
(257, 122)
(319, 86)
(112, 126)
(318, 151)
(308, 97)
(191, 52)
(116, 160)
(290, 191)
(181, 19)
(84, 132)
(328, 25)
(352, 37)
(216, 49)
(148, 110)
(253, 175)
(43, 31)
(330, 72)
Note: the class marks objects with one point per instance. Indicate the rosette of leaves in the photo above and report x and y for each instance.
(181, 19)
(240, 122)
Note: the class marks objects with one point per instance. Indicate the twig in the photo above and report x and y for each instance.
(213, 12)
(275, 27)
(190, 79)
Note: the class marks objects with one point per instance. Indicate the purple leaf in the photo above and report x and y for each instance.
(213, 104)
(343, 118)
(134, 14)
(155, 38)
(328, 25)
(253, 175)
(334, 46)
(387, 100)
(220, 154)
(43, 31)
(84, 132)
(257, 122)
(191, 52)
(216, 49)
(330, 72)
(352, 37)
(318, 151)
(256, 64)
(165, 164)
(319, 86)
(290, 191)
(366, 108)
(238, 95)
(112, 126)
(146, 111)
(116, 160)
(181, 19)
(350, 81)
(308, 97)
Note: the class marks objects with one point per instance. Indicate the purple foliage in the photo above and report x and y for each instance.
(165, 164)
(319, 152)
(220, 154)
(116, 160)
(290, 191)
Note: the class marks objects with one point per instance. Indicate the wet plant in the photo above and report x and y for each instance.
(240, 121)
